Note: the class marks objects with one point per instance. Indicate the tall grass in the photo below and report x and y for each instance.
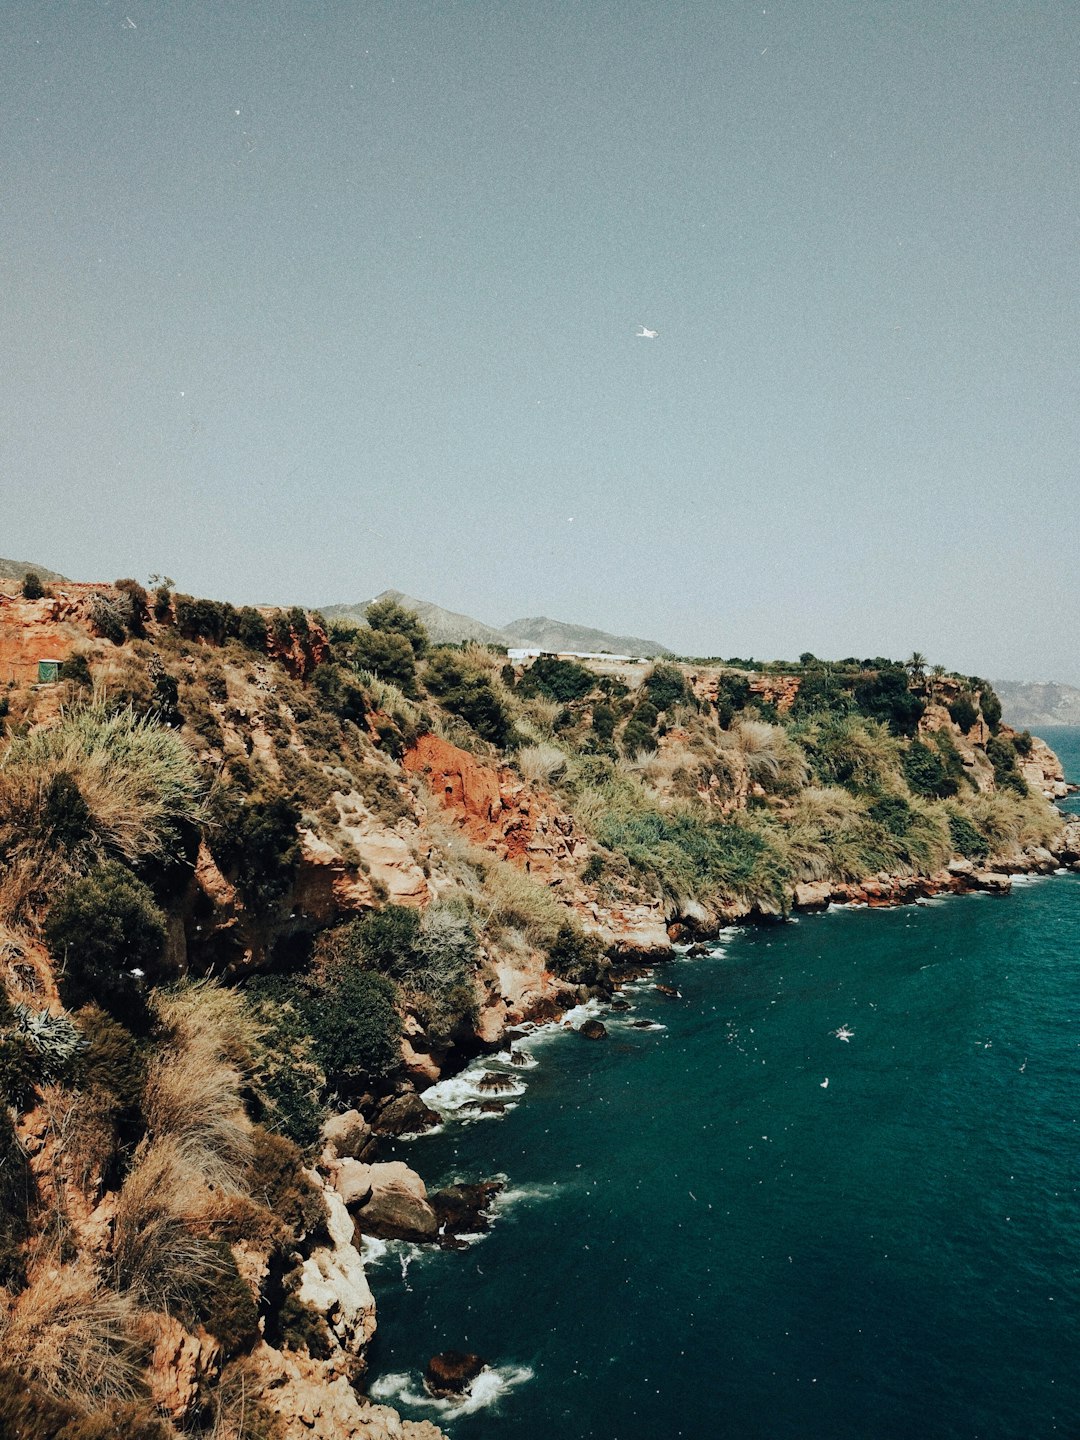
(97, 784)
(772, 758)
(541, 763)
(73, 1336)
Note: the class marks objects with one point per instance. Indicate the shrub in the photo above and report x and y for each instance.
(604, 721)
(277, 1177)
(256, 843)
(1023, 743)
(287, 1078)
(393, 619)
(466, 689)
(851, 751)
(820, 689)
(251, 629)
(110, 617)
(990, 705)
(577, 957)
(138, 606)
(226, 1306)
(32, 588)
(16, 1193)
(561, 680)
(1002, 756)
(967, 840)
(540, 763)
(341, 692)
(103, 927)
(886, 695)
(76, 669)
(963, 712)
(138, 780)
(732, 695)
(356, 1027)
(925, 772)
(388, 656)
(637, 737)
(893, 813)
(666, 686)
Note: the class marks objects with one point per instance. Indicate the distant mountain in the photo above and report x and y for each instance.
(559, 635)
(446, 627)
(1027, 706)
(16, 569)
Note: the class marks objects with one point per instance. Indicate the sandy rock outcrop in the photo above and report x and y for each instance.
(315, 1405)
(387, 1200)
(333, 1284)
(183, 1363)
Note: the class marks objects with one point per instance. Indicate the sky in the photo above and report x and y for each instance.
(302, 302)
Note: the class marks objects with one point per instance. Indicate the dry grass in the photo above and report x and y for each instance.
(73, 1336)
(541, 763)
(1012, 822)
(772, 758)
(137, 781)
(513, 900)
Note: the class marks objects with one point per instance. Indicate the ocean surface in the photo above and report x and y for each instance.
(703, 1238)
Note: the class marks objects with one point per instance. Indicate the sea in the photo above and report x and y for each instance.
(830, 1191)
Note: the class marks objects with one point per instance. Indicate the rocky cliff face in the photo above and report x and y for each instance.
(636, 814)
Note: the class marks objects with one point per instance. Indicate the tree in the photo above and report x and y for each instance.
(915, 665)
(387, 615)
(387, 655)
(465, 688)
(32, 587)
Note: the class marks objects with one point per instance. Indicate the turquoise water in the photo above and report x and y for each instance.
(701, 1239)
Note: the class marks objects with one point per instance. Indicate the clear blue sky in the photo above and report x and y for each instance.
(301, 301)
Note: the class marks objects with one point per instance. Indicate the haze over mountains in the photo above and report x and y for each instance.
(447, 627)
(1028, 706)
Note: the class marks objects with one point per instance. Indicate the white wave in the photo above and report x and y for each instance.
(486, 1390)
(526, 1062)
(452, 1098)
(580, 1013)
(515, 1195)
(372, 1250)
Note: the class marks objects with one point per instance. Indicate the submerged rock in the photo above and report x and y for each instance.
(593, 1030)
(620, 1005)
(669, 991)
(452, 1372)
(519, 1058)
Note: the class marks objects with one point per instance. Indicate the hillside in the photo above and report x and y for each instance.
(447, 627)
(557, 635)
(1029, 706)
(16, 569)
(263, 883)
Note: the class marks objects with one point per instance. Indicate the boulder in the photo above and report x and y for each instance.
(397, 1208)
(404, 1115)
(813, 895)
(348, 1136)
(333, 1283)
(992, 881)
(593, 1030)
(491, 1082)
(452, 1372)
(462, 1209)
(352, 1181)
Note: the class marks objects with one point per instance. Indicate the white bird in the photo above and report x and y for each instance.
(644, 334)
(825, 1083)
(844, 1033)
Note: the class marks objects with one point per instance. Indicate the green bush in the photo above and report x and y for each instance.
(886, 695)
(666, 686)
(32, 588)
(466, 689)
(990, 705)
(356, 1027)
(966, 839)
(561, 680)
(139, 605)
(893, 813)
(393, 619)
(1023, 743)
(252, 629)
(963, 712)
(256, 843)
(925, 771)
(102, 929)
(225, 1304)
(1002, 756)
(604, 721)
(388, 656)
(636, 737)
(276, 1177)
(341, 692)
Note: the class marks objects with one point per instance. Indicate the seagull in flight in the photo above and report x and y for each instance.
(643, 334)
(844, 1033)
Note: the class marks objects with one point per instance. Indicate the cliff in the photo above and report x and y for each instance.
(263, 880)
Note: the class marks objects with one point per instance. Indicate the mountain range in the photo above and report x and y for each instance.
(447, 627)
(1027, 706)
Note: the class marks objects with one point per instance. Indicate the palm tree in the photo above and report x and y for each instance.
(937, 674)
(915, 665)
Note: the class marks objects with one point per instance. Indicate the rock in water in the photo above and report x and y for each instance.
(593, 1030)
(452, 1372)
(491, 1080)
(404, 1115)
(461, 1209)
(518, 1057)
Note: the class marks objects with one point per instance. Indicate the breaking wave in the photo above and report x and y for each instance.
(485, 1392)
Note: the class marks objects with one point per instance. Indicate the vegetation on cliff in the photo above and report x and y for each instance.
(254, 868)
